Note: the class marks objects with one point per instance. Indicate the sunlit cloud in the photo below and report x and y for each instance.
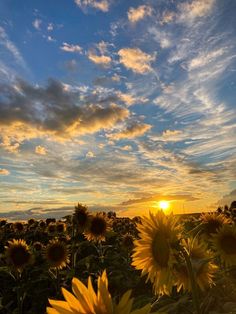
(102, 60)
(4, 172)
(139, 13)
(195, 9)
(71, 48)
(102, 5)
(40, 150)
(132, 131)
(136, 60)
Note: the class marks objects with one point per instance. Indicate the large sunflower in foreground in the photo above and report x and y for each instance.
(211, 222)
(98, 228)
(224, 243)
(86, 301)
(203, 268)
(155, 251)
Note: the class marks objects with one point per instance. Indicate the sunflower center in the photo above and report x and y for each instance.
(212, 226)
(81, 217)
(161, 250)
(19, 256)
(98, 226)
(228, 244)
(56, 253)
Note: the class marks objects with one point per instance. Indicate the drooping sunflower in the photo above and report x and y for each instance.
(98, 227)
(85, 300)
(155, 251)
(18, 226)
(224, 243)
(211, 222)
(81, 217)
(56, 254)
(18, 255)
(203, 268)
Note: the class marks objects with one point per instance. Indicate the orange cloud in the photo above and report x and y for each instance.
(139, 13)
(103, 60)
(132, 131)
(40, 150)
(4, 172)
(136, 60)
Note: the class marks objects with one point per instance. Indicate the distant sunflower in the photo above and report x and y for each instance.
(81, 217)
(98, 227)
(154, 253)
(60, 227)
(18, 226)
(18, 254)
(56, 254)
(38, 246)
(85, 300)
(127, 241)
(203, 268)
(51, 228)
(224, 243)
(211, 222)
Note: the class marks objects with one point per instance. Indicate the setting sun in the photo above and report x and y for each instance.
(164, 205)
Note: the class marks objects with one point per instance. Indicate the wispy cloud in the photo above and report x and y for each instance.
(102, 5)
(4, 172)
(71, 48)
(37, 24)
(131, 131)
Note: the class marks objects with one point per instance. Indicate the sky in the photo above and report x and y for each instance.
(117, 105)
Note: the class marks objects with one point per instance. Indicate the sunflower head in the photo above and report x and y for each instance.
(18, 226)
(42, 224)
(51, 228)
(204, 269)
(3, 222)
(18, 254)
(38, 246)
(224, 243)
(56, 254)
(60, 227)
(86, 300)
(211, 222)
(98, 227)
(81, 217)
(31, 221)
(127, 242)
(155, 251)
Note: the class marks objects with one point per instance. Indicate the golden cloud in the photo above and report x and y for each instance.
(103, 60)
(4, 172)
(139, 13)
(136, 60)
(135, 130)
(40, 150)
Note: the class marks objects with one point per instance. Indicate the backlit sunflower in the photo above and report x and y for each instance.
(18, 254)
(56, 254)
(98, 227)
(86, 301)
(154, 253)
(203, 268)
(81, 217)
(211, 222)
(18, 226)
(224, 243)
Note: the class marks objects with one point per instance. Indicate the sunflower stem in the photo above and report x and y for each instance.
(57, 281)
(19, 293)
(192, 278)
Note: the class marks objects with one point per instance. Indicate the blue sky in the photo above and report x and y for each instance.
(116, 104)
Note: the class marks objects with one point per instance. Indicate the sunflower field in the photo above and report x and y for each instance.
(97, 263)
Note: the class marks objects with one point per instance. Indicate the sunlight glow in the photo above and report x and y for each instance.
(164, 205)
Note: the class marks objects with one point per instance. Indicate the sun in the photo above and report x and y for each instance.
(164, 205)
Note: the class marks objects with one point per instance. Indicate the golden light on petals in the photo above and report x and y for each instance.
(85, 300)
(155, 251)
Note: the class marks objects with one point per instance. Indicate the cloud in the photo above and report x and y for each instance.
(71, 48)
(4, 172)
(10, 46)
(40, 150)
(167, 17)
(139, 13)
(136, 60)
(102, 5)
(189, 11)
(90, 154)
(161, 37)
(37, 24)
(156, 197)
(102, 60)
(132, 131)
(227, 199)
(50, 27)
(28, 112)
(204, 59)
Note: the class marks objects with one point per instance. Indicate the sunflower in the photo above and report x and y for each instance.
(211, 222)
(127, 241)
(56, 254)
(18, 254)
(154, 253)
(202, 266)
(85, 300)
(18, 226)
(224, 243)
(60, 227)
(98, 227)
(51, 228)
(81, 217)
